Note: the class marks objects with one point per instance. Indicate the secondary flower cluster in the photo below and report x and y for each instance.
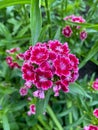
(95, 84)
(91, 127)
(48, 65)
(13, 57)
(68, 30)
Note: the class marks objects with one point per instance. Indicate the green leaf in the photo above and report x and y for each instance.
(77, 89)
(6, 125)
(35, 21)
(6, 3)
(90, 54)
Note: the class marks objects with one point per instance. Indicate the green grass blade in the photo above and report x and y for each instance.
(6, 3)
(6, 125)
(90, 54)
(35, 20)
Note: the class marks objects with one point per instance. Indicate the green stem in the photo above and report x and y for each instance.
(46, 126)
(48, 17)
(69, 104)
(54, 118)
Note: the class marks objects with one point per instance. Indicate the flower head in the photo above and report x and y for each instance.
(83, 35)
(95, 84)
(67, 31)
(91, 127)
(95, 112)
(23, 91)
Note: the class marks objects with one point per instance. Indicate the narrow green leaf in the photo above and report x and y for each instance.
(6, 3)
(90, 54)
(35, 20)
(6, 125)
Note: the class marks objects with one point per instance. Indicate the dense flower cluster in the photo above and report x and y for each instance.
(13, 57)
(48, 65)
(68, 30)
(95, 84)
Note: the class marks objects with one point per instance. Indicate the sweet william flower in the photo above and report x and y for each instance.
(58, 48)
(23, 91)
(39, 54)
(13, 50)
(32, 110)
(62, 66)
(95, 84)
(28, 73)
(91, 127)
(39, 93)
(43, 79)
(95, 112)
(67, 31)
(83, 35)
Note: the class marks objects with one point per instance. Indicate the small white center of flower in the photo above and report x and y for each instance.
(39, 55)
(62, 65)
(67, 31)
(58, 48)
(42, 78)
(29, 73)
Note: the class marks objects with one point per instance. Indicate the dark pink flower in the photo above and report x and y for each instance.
(23, 91)
(43, 79)
(15, 65)
(78, 19)
(91, 127)
(58, 48)
(95, 84)
(74, 61)
(62, 86)
(39, 55)
(13, 50)
(39, 94)
(9, 60)
(27, 53)
(74, 76)
(83, 35)
(95, 112)
(56, 90)
(32, 110)
(28, 84)
(62, 66)
(28, 72)
(20, 56)
(67, 31)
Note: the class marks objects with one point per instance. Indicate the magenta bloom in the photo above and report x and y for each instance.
(43, 79)
(62, 86)
(74, 61)
(28, 72)
(78, 19)
(62, 66)
(27, 53)
(32, 110)
(39, 94)
(67, 31)
(95, 84)
(83, 35)
(39, 55)
(23, 91)
(91, 127)
(58, 48)
(13, 50)
(95, 112)
(9, 60)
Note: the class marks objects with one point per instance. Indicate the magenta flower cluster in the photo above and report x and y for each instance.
(13, 58)
(68, 31)
(91, 127)
(48, 65)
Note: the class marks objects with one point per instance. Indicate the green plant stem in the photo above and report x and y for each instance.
(48, 17)
(46, 126)
(54, 118)
(69, 104)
